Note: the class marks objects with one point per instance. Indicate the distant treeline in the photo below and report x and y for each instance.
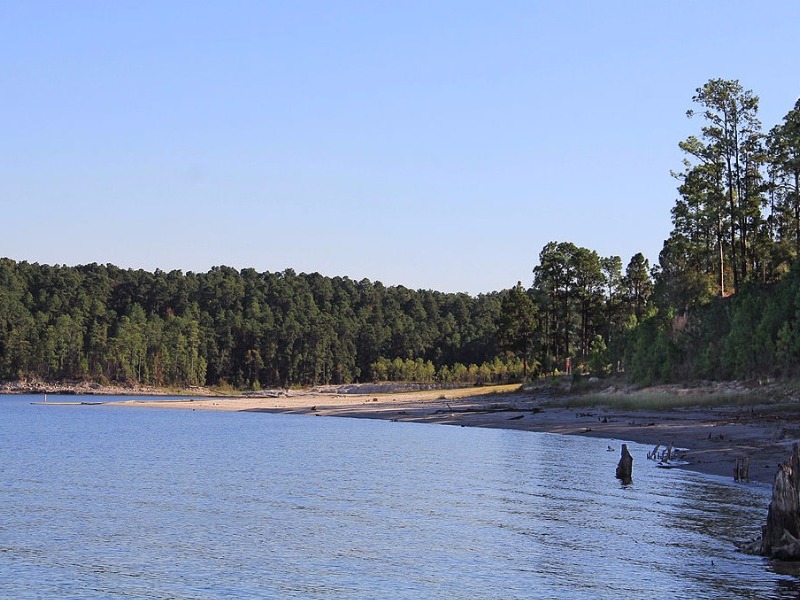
(245, 329)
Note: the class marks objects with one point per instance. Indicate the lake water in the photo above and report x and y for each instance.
(125, 502)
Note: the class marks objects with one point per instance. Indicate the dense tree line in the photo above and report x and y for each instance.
(244, 328)
(719, 303)
(579, 312)
(727, 284)
(753, 334)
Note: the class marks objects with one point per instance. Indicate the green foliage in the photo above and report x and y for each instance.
(244, 329)
(517, 324)
(404, 370)
(743, 355)
(499, 370)
(750, 335)
(783, 151)
(598, 357)
(651, 351)
(736, 229)
(637, 284)
(580, 297)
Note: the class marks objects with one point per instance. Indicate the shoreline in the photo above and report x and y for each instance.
(713, 437)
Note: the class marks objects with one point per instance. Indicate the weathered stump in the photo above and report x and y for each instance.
(741, 469)
(781, 533)
(780, 537)
(625, 466)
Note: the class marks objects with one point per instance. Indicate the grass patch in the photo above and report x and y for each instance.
(224, 388)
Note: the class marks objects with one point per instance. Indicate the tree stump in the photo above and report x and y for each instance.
(625, 466)
(781, 533)
(780, 537)
(741, 469)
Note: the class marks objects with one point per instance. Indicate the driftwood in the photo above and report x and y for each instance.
(780, 536)
(654, 454)
(668, 454)
(625, 466)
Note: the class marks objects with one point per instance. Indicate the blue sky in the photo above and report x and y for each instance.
(433, 144)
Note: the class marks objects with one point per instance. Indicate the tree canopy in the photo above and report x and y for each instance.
(244, 328)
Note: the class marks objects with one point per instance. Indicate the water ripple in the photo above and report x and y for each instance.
(111, 502)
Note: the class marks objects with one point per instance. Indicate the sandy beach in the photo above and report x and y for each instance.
(712, 439)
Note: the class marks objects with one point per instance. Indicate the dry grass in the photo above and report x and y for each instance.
(457, 393)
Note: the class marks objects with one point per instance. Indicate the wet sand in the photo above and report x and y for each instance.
(713, 438)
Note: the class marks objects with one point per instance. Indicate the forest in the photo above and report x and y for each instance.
(241, 328)
(722, 302)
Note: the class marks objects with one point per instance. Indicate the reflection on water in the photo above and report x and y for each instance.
(131, 502)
